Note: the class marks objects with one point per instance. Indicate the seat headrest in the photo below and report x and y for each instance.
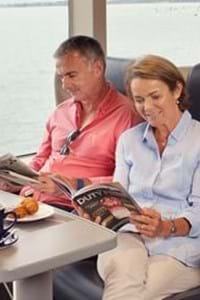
(115, 71)
(193, 89)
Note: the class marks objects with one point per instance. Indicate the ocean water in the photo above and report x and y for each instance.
(30, 35)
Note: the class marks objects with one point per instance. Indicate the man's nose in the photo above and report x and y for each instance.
(66, 83)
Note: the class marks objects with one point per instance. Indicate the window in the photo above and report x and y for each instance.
(29, 36)
(167, 28)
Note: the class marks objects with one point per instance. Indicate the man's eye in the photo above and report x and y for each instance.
(72, 76)
(155, 97)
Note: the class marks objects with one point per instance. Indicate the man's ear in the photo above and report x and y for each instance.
(98, 68)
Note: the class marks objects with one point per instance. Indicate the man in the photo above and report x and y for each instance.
(82, 132)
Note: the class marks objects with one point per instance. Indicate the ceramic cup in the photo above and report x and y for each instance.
(4, 227)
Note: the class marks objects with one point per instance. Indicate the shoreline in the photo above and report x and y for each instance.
(63, 3)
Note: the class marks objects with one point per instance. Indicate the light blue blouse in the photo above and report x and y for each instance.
(169, 183)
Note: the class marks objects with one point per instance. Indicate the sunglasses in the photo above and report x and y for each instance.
(68, 140)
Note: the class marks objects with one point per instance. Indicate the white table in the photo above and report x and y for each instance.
(45, 245)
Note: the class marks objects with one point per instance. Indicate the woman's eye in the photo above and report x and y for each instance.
(139, 101)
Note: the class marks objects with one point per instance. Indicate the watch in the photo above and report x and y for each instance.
(173, 228)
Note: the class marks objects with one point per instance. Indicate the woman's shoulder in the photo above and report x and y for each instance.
(195, 124)
(135, 131)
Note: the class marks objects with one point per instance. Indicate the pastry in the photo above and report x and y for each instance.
(28, 206)
(20, 211)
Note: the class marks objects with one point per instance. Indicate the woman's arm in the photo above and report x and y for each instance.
(151, 224)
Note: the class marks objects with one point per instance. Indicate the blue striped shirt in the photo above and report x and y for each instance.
(169, 183)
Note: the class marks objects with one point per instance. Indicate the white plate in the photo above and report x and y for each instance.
(43, 212)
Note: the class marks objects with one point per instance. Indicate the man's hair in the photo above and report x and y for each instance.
(158, 68)
(86, 46)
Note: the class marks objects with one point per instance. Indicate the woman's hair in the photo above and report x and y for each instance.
(157, 68)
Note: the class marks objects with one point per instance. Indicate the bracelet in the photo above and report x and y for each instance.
(173, 228)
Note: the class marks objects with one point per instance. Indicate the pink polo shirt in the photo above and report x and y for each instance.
(92, 153)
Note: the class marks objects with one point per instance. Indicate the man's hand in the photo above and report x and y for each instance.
(46, 184)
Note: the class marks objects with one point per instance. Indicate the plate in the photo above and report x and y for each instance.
(44, 211)
(9, 240)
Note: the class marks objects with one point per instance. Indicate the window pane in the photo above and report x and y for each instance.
(168, 28)
(29, 37)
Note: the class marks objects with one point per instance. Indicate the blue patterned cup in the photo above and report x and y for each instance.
(4, 228)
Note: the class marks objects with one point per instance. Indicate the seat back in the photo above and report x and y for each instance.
(193, 89)
(115, 72)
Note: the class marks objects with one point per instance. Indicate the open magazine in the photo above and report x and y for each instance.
(15, 171)
(110, 201)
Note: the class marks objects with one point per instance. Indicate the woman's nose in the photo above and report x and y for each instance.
(148, 105)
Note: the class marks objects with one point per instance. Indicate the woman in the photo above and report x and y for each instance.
(158, 162)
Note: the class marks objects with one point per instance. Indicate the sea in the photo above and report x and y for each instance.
(30, 34)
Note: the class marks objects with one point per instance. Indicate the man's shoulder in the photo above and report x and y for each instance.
(120, 100)
(64, 106)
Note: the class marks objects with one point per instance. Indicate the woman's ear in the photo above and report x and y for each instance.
(178, 90)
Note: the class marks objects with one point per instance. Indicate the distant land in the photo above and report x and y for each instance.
(21, 3)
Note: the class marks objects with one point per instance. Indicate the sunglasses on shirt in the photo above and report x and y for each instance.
(68, 140)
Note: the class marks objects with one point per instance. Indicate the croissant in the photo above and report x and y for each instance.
(20, 211)
(28, 206)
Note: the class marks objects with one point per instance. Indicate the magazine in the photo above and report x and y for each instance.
(14, 170)
(110, 201)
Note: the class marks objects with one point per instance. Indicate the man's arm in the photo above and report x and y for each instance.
(44, 150)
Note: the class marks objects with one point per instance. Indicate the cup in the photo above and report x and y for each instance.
(4, 230)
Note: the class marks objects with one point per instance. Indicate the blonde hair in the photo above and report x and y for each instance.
(157, 68)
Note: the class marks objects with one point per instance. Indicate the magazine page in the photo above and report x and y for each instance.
(13, 163)
(16, 178)
(109, 201)
(64, 185)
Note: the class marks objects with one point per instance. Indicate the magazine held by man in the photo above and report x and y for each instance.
(109, 201)
(15, 171)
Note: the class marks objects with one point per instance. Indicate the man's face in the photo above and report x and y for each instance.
(78, 75)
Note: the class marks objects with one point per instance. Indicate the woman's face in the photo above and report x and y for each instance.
(154, 101)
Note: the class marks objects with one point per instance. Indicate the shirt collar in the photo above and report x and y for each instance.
(108, 100)
(177, 132)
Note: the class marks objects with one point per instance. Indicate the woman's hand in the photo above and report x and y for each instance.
(149, 223)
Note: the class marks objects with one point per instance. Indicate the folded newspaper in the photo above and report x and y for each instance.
(110, 201)
(15, 171)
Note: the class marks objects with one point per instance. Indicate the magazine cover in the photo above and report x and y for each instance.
(109, 201)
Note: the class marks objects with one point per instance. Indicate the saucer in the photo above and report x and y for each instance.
(8, 240)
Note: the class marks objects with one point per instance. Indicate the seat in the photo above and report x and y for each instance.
(80, 280)
(193, 88)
